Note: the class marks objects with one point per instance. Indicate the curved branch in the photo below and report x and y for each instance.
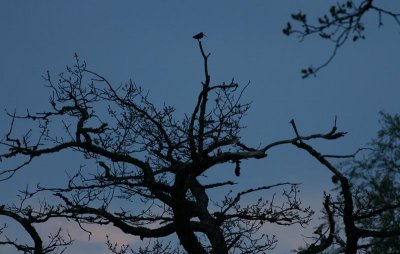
(27, 225)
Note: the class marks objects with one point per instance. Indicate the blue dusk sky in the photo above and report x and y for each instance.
(151, 43)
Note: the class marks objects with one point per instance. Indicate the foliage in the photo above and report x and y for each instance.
(364, 218)
(345, 20)
(376, 180)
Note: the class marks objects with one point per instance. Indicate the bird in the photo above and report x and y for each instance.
(199, 36)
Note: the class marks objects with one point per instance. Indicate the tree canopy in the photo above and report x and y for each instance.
(145, 155)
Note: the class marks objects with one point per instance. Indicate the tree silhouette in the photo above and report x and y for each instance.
(375, 181)
(364, 217)
(146, 171)
(145, 156)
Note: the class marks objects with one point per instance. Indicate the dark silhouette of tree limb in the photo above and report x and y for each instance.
(343, 22)
(346, 210)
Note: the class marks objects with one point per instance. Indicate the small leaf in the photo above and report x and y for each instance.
(288, 29)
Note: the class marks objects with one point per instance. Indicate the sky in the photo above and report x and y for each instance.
(151, 43)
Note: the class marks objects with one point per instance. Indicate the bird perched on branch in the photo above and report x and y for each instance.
(199, 36)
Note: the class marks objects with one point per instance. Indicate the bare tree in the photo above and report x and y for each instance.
(146, 175)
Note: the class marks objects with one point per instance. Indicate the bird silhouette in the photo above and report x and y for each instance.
(199, 36)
